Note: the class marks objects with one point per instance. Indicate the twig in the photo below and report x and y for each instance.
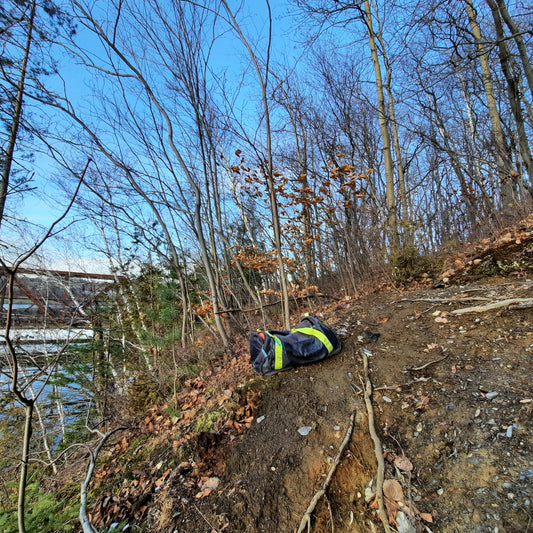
(514, 302)
(213, 528)
(306, 519)
(394, 387)
(330, 515)
(86, 525)
(445, 300)
(377, 447)
(427, 364)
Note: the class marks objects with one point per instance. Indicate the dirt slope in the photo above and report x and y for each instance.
(453, 401)
(463, 421)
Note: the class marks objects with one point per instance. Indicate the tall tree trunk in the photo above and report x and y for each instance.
(402, 188)
(513, 92)
(268, 166)
(196, 212)
(17, 115)
(503, 161)
(517, 36)
(28, 416)
(392, 223)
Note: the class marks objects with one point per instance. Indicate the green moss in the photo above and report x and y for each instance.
(47, 513)
(207, 421)
(172, 410)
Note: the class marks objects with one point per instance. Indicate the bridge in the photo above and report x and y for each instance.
(61, 297)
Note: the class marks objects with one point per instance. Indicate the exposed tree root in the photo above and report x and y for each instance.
(377, 446)
(306, 519)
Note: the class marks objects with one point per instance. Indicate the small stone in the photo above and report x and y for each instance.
(491, 395)
(260, 419)
(387, 399)
(305, 430)
(440, 492)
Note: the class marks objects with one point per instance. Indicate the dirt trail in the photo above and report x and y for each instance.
(463, 420)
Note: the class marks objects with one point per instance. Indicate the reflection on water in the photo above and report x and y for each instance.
(57, 391)
(32, 335)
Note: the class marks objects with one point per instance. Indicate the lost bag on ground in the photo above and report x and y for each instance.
(310, 341)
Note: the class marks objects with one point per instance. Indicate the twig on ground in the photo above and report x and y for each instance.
(445, 300)
(306, 519)
(330, 515)
(377, 447)
(415, 368)
(213, 528)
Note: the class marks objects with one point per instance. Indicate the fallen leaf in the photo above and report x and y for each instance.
(393, 490)
(403, 463)
(203, 493)
(427, 517)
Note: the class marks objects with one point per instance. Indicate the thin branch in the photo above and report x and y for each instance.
(93, 454)
(415, 368)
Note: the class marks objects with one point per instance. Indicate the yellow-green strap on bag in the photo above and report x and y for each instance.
(318, 334)
(278, 351)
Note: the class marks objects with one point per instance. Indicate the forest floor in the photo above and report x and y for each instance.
(452, 400)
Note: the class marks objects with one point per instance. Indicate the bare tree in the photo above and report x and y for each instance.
(268, 163)
(9, 152)
(27, 400)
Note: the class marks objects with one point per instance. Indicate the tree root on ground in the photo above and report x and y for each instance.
(306, 519)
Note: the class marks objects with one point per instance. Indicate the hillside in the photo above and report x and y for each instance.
(450, 362)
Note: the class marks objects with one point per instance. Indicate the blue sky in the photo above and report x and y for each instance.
(46, 202)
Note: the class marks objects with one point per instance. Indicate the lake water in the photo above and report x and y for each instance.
(60, 398)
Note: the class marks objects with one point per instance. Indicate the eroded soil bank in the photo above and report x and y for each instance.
(452, 395)
(451, 366)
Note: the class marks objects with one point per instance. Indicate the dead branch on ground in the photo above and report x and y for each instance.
(512, 303)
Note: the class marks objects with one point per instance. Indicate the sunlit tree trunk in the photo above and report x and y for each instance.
(392, 222)
(513, 92)
(7, 158)
(503, 162)
(516, 34)
(268, 164)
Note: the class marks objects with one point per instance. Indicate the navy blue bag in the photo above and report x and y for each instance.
(310, 341)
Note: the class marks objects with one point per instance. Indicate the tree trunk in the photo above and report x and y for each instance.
(17, 114)
(513, 92)
(392, 223)
(503, 161)
(28, 415)
(268, 166)
(517, 36)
